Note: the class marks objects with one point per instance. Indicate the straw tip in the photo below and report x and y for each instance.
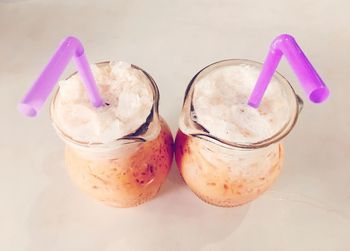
(27, 110)
(319, 95)
(253, 104)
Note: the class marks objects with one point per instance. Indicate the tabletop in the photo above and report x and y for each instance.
(307, 208)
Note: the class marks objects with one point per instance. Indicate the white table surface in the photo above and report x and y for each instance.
(308, 208)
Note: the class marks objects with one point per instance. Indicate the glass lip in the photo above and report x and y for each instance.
(283, 132)
(136, 136)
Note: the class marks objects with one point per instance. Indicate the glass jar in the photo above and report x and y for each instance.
(225, 173)
(128, 171)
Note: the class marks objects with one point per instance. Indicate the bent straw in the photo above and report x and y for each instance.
(311, 82)
(42, 87)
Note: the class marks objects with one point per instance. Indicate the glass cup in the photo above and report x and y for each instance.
(225, 173)
(130, 170)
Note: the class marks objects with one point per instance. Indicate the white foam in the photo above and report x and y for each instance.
(127, 91)
(220, 102)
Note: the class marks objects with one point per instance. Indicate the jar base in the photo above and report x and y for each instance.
(224, 183)
(125, 181)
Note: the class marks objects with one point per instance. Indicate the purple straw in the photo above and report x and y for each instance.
(42, 87)
(311, 82)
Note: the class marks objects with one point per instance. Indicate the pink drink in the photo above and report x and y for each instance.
(120, 153)
(228, 152)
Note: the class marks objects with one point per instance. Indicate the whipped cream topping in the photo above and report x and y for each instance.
(128, 98)
(220, 103)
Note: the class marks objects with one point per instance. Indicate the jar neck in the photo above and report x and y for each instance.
(210, 149)
(116, 151)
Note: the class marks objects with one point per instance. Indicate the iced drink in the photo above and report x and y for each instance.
(119, 153)
(227, 152)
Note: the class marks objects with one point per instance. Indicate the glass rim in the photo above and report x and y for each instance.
(136, 136)
(278, 136)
